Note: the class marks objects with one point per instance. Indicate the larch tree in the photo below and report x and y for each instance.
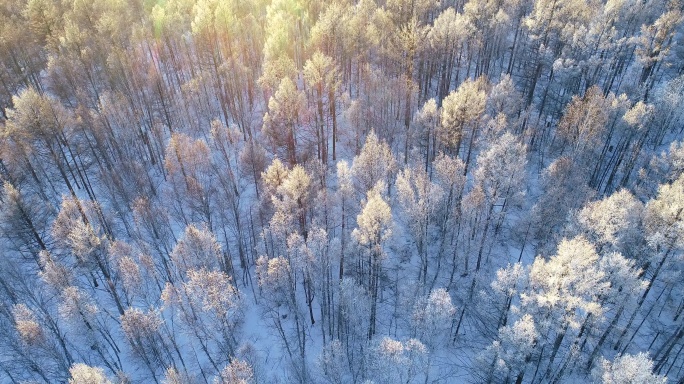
(91, 327)
(129, 270)
(507, 357)
(420, 200)
(345, 192)
(626, 289)
(504, 98)
(662, 227)
(664, 168)
(375, 163)
(196, 250)
(237, 372)
(320, 256)
(668, 114)
(393, 361)
(354, 306)
(432, 317)
(273, 177)
(447, 36)
(41, 341)
(155, 234)
(583, 122)
(662, 223)
(509, 283)
(374, 228)
(292, 198)
(81, 231)
(500, 173)
(142, 332)
(286, 108)
(449, 174)
(615, 223)
(333, 362)
(39, 127)
(210, 308)
(628, 369)
(461, 112)
(84, 374)
(231, 187)
(551, 25)
(22, 224)
(654, 44)
(192, 185)
(278, 289)
(565, 188)
(322, 76)
(563, 292)
(27, 31)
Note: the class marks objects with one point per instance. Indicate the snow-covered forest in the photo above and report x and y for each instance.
(371, 191)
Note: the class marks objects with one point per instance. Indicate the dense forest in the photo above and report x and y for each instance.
(371, 191)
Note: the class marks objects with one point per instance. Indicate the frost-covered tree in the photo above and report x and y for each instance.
(584, 121)
(461, 112)
(281, 122)
(448, 36)
(278, 283)
(41, 346)
(450, 174)
(210, 308)
(627, 288)
(237, 372)
(666, 167)
(84, 374)
(88, 322)
(54, 273)
(273, 177)
(374, 163)
(197, 249)
(565, 188)
(504, 99)
(322, 75)
(432, 317)
(499, 174)
(425, 123)
(663, 226)
(420, 200)
(627, 369)
(507, 357)
(143, 334)
(354, 307)
(654, 44)
(509, 283)
(333, 362)
(26, 324)
(345, 193)
(551, 26)
(192, 186)
(22, 224)
(38, 140)
(393, 361)
(667, 101)
(291, 200)
(615, 223)
(564, 291)
(374, 227)
(319, 284)
(81, 231)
